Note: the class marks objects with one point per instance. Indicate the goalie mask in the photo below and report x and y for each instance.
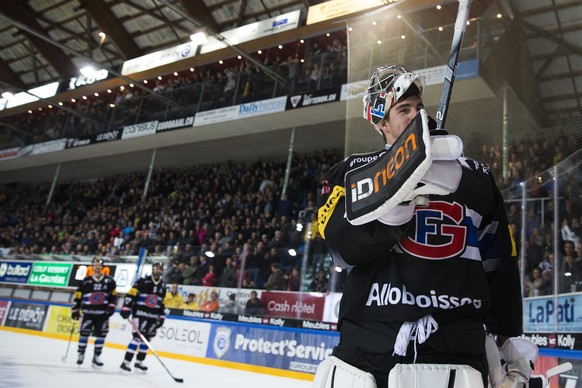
(388, 86)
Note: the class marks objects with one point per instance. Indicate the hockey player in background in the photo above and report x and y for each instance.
(95, 301)
(145, 302)
(429, 277)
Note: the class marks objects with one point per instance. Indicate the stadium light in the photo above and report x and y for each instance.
(199, 38)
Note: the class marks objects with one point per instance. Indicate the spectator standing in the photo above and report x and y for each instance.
(189, 273)
(277, 279)
(210, 278)
(293, 280)
(254, 305)
(571, 269)
(319, 283)
(228, 277)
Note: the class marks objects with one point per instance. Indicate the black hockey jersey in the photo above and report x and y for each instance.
(93, 297)
(455, 255)
(146, 298)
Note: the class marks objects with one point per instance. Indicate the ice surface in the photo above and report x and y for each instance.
(32, 361)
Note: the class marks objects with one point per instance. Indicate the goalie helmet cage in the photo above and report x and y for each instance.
(498, 110)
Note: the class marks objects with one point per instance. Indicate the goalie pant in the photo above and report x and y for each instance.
(454, 261)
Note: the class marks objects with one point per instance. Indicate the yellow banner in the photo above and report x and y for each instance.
(59, 320)
(336, 8)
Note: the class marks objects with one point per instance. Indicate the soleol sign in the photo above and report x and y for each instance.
(50, 274)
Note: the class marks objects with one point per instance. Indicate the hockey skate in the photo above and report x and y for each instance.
(140, 367)
(125, 367)
(80, 359)
(97, 363)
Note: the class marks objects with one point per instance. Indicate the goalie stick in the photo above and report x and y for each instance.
(459, 33)
(64, 358)
(149, 345)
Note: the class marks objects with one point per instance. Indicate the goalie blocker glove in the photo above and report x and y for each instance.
(417, 165)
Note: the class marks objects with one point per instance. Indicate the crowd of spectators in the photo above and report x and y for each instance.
(211, 221)
(210, 86)
(229, 225)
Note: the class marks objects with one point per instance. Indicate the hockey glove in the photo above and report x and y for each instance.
(125, 312)
(160, 322)
(110, 310)
(75, 314)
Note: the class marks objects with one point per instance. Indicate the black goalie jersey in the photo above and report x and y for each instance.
(146, 298)
(457, 254)
(94, 296)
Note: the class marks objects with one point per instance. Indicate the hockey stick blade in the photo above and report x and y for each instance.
(559, 369)
(149, 345)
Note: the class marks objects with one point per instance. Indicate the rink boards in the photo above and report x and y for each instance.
(281, 351)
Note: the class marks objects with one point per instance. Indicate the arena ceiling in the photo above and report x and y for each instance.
(47, 40)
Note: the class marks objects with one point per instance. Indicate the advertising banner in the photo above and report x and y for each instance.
(9, 153)
(562, 341)
(188, 337)
(80, 271)
(293, 305)
(159, 58)
(59, 320)
(184, 337)
(259, 108)
(124, 277)
(14, 271)
(140, 129)
(313, 98)
(331, 308)
(539, 314)
(50, 274)
(3, 309)
(276, 348)
(216, 116)
(182, 122)
(336, 8)
(252, 31)
(26, 315)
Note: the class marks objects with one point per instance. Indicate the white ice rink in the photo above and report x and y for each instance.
(30, 361)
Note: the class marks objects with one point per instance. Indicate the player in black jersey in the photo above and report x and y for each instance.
(145, 301)
(95, 301)
(425, 281)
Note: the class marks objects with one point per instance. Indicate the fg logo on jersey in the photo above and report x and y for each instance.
(440, 233)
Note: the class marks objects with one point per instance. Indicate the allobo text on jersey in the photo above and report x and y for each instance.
(93, 297)
(440, 261)
(146, 298)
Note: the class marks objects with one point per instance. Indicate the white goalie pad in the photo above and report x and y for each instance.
(434, 375)
(335, 373)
